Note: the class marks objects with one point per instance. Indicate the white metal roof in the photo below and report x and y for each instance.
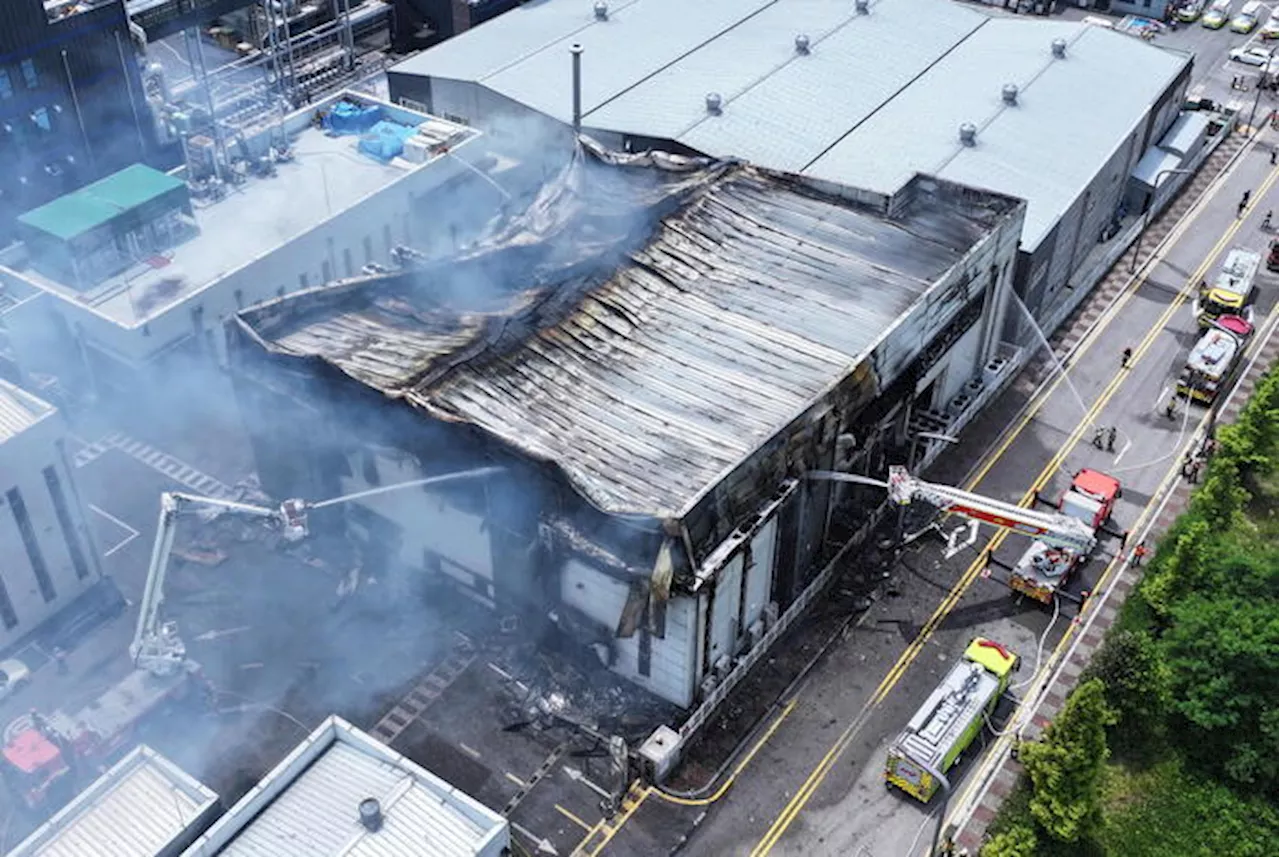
(1046, 149)
(19, 410)
(1153, 163)
(1187, 130)
(308, 807)
(136, 809)
(878, 98)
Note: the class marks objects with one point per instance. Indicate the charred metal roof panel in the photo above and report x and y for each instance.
(739, 311)
(142, 807)
(19, 410)
(308, 806)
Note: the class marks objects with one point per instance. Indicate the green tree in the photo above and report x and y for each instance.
(1018, 841)
(1067, 765)
(1137, 685)
(1251, 441)
(1223, 658)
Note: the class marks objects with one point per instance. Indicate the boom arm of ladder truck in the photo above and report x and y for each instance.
(156, 646)
(1056, 530)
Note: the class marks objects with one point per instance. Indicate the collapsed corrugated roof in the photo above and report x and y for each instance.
(646, 376)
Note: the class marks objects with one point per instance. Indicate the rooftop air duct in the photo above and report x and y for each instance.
(602, 10)
(802, 44)
(1009, 92)
(968, 133)
(862, 7)
(713, 103)
(371, 814)
(1059, 48)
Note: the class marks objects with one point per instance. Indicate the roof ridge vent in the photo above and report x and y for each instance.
(802, 44)
(862, 7)
(969, 134)
(602, 10)
(714, 103)
(1059, 48)
(1009, 93)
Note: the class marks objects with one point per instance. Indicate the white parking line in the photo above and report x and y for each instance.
(133, 534)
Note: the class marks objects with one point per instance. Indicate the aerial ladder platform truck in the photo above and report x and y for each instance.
(43, 756)
(1064, 538)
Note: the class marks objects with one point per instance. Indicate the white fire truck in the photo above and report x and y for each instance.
(1215, 355)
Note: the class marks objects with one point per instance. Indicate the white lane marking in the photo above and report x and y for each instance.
(1123, 450)
(132, 533)
(1162, 398)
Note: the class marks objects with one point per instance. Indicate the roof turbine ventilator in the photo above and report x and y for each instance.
(602, 10)
(968, 133)
(1009, 92)
(1059, 48)
(371, 814)
(862, 7)
(802, 44)
(714, 103)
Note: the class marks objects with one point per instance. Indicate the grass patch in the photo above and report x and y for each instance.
(1166, 810)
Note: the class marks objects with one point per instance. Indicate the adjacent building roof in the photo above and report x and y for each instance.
(19, 410)
(99, 202)
(647, 378)
(876, 98)
(144, 806)
(309, 806)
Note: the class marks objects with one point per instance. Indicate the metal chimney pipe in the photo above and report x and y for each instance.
(576, 51)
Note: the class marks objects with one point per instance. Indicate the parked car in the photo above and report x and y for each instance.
(1215, 18)
(14, 675)
(1273, 256)
(1248, 16)
(1189, 12)
(1271, 29)
(1253, 55)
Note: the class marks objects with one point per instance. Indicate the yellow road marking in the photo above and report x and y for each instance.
(815, 779)
(746, 760)
(612, 830)
(569, 815)
(1072, 629)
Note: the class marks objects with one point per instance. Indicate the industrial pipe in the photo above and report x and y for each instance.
(576, 51)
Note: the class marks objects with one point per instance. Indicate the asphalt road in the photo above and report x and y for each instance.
(816, 787)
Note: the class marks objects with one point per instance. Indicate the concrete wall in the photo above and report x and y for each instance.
(64, 549)
(669, 672)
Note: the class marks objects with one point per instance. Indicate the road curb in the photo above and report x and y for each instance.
(1103, 615)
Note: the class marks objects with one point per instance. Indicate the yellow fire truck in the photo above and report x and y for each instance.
(953, 715)
(1232, 291)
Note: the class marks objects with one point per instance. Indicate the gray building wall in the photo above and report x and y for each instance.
(47, 556)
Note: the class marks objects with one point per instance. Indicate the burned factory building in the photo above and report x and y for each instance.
(636, 378)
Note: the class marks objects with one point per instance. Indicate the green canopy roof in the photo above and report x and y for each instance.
(97, 203)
